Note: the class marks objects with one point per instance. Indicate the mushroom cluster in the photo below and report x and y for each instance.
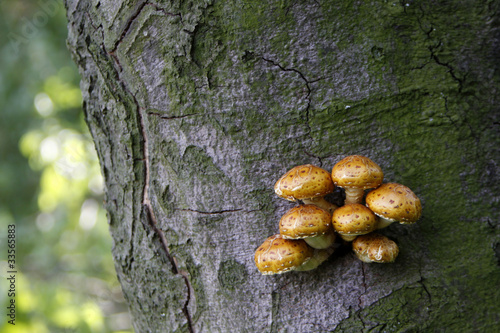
(308, 232)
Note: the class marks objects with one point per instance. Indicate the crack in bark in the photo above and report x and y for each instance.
(308, 88)
(364, 284)
(146, 202)
(451, 70)
(185, 308)
(153, 222)
(421, 281)
(319, 158)
(128, 26)
(308, 98)
(275, 307)
(215, 212)
(134, 16)
(99, 27)
(432, 49)
(450, 119)
(162, 116)
(274, 63)
(302, 76)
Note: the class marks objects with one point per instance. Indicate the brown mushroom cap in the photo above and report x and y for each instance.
(305, 221)
(358, 172)
(375, 248)
(354, 220)
(395, 202)
(304, 182)
(278, 255)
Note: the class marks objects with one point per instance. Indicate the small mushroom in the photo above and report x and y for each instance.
(278, 255)
(308, 183)
(308, 222)
(352, 220)
(375, 248)
(394, 202)
(355, 174)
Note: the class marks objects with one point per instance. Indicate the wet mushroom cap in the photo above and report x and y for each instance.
(395, 202)
(354, 219)
(358, 172)
(375, 248)
(305, 221)
(278, 255)
(304, 182)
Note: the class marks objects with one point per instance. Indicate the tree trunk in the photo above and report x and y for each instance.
(198, 107)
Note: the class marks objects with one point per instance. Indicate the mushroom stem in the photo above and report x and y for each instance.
(348, 238)
(383, 222)
(353, 195)
(321, 203)
(319, 257)
(323, 241)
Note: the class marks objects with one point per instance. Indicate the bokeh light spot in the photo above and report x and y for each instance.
(43, 104)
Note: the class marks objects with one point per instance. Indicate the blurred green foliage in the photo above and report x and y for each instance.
(50, 184)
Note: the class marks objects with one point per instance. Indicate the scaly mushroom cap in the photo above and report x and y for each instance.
(304, 182)
(305, 221)
(375, 248)
(278, 255)
(395, 202)
(358, 172)
(354, 220)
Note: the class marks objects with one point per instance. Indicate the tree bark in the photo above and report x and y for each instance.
(198, 107)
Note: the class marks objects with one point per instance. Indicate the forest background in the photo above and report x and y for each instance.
(50, 184)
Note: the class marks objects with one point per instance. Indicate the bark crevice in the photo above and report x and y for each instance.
(214, 212)
(154, 223)
(307, 86)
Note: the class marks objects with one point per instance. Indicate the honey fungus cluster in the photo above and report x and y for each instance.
(308, 231)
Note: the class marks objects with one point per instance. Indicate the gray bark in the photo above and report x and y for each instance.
(198, 107)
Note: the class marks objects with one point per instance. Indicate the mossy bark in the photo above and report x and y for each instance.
(198, 107)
